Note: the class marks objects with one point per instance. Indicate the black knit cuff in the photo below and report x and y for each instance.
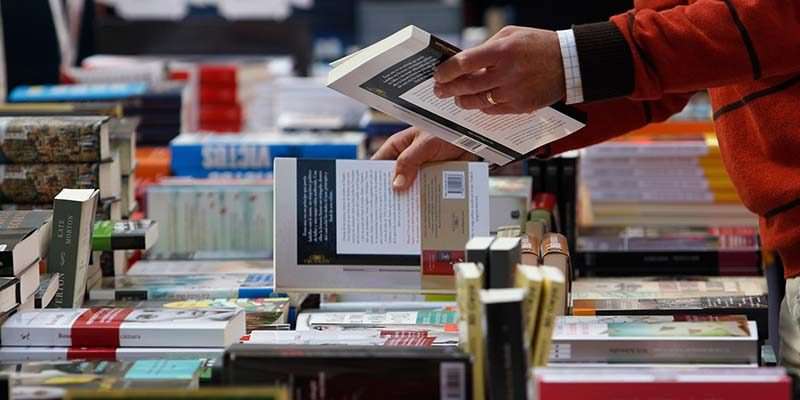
(606, 61)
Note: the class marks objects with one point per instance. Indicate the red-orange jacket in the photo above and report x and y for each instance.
(641, 66)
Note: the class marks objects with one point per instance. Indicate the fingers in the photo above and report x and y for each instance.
(467, 62)
(408, 163)
(395, 145)
(481, 81)
(481, 101)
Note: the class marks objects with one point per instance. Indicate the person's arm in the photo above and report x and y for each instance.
(646, 53)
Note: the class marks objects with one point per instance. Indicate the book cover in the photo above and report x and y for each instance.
(477, 251)
(48, 286)
(19, 248)
(667, 287)
(715, 342)
(79, 92)
(70, 249)
(26, 140)
(441, 317)
(251, 155)
(9, 294)
(124, 235)
(652, 383)
(504, 255)
(343, 228)
(199, 267)
(40, 183)
(551, 305)
(365, 371)
(13, 354)
(506, 359)
(41, 220)
(124, 327)
(184, 287)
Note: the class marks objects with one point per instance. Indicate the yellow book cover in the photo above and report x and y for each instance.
(469, 282)
(530, 278)
(553, 292)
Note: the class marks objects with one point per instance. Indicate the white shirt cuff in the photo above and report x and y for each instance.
(572, 68)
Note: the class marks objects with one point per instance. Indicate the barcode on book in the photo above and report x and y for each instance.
(452, 381)
(454, 185)
(468, 143)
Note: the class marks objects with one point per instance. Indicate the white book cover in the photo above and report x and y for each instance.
(343, 228)
(395, 76)
(200, 267)
(123, 327)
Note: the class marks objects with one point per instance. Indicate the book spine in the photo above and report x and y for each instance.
(502, 267)
(552, 299)
(22, 183)
(632, 263)
(480, 257)
(7, 263)
(505, 351)
(63, 256)
(471, 331)
(52, 140)
(530, 310)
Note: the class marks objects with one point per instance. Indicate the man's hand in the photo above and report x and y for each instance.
(412, 148)
(519, 69)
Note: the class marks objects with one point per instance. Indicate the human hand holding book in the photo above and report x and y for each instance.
(396, 76)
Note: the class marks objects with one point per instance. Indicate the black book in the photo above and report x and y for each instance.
(48, 286)
(8, 293)
(568, 199)
(506, 364)
(477, 251)
(41, 220)
(348, 372)
(504, 255)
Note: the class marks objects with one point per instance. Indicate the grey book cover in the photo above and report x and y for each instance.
(504, 255)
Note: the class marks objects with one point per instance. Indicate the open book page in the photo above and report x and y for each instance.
(396, 77)
(372, 218)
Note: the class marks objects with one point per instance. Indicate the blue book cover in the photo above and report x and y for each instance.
(79, 92)
(185, 287)
(252, 155)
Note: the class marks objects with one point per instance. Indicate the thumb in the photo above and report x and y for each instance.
(409, 162)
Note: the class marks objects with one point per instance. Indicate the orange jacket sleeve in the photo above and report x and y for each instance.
(665, 46)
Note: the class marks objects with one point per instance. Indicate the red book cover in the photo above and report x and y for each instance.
(220, 127)
(216, 94)
(221, 114)
(218, 75)
(665, 390)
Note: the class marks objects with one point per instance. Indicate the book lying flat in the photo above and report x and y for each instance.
(123, 327)
(343, 228)
(155, 287)
(124, 235)
(592, 340)
(199, 267)
(9, 354)
(395, 76)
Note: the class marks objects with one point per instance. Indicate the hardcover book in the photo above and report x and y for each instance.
(70, 249)
(369, 237)
(27, 140)
(40, 183)
(252, 155)
(714, 342)
(124, 235)
(123, 327)
(184, 287)
(395, 76)
(384, 372)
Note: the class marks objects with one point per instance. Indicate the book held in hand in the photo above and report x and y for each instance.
(343, 227)
(395, 76)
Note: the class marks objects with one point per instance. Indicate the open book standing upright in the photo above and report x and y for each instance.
(395, 76)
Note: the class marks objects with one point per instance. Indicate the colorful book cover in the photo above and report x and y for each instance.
(40, 183)
(124, 235)
(251, 155)
(184, 287)
(80, 92)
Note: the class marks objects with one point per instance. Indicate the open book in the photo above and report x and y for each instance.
(395, 76)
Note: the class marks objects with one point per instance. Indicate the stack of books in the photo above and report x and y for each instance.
(224, 89)
(26, 238)
(659, 180)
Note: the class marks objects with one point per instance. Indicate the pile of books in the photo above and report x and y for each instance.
(663, 180)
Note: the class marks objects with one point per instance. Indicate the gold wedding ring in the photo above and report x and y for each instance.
(490, 99)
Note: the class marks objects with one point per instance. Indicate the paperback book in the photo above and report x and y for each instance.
(193, 287)
(123, 327)
(345, 229)
(395, 76)
(26, 183)
(31, 140)
(124, 235)
(199, 267)
(18, 354)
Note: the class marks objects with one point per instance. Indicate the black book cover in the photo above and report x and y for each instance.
(506, 364)
(9, 239)
(352, 372)
(504, 255)
(477, 251)
(568, 199)
(668, 262)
